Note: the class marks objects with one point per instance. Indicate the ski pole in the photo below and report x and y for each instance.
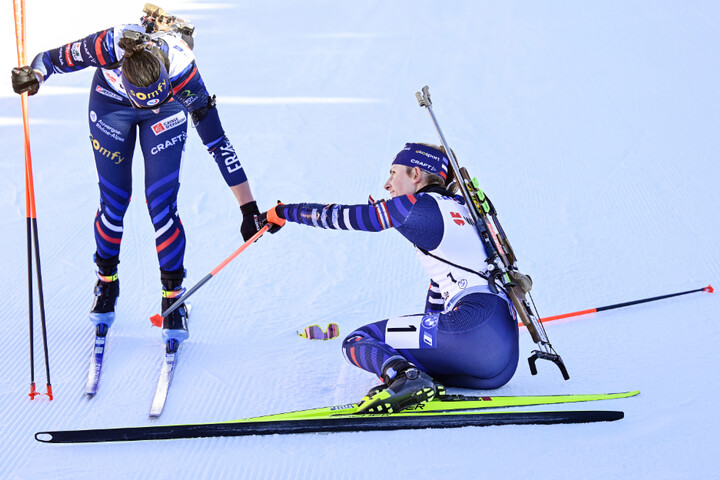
(157, 319)
(708, 289)
(32, 232)
(18, 11)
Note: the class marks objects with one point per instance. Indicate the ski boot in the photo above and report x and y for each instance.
(405, 387)
(439, 391)
(102, 313)
(175, 329)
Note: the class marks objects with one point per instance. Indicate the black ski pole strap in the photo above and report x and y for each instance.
(490, 278)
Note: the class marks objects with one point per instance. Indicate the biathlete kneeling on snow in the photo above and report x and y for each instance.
(146, 82)
(468, 335)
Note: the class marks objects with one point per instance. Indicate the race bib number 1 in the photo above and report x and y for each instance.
(412, 331)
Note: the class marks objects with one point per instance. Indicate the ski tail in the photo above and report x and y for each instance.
(97, 356)
(167, 371)
(163, 386)
(346, 423)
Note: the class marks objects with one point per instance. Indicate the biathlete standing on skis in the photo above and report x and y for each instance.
(468, 335)
(146, 80)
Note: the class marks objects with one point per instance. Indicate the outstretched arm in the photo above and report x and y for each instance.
(374, 217)
(96, 50)
(416, 217)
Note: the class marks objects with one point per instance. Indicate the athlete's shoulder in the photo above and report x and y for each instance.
(424, 200)
(180, 54)
(401, 204)
(441, 194)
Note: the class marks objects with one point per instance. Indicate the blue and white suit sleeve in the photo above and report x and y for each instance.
(415, 217)
(367, 218)
(189, 89)
(96, 50)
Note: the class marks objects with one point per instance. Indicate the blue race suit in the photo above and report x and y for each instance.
(115, 125)
(468, 335)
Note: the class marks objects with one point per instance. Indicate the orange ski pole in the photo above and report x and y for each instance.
(708, 289)
(157, 319)
(32, 232)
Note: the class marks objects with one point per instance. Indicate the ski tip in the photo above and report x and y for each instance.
(629, 393)
(157, 320)
(44, 437)
(610, 415)
(709, 289)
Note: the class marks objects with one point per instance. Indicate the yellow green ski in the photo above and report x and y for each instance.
(450, 403)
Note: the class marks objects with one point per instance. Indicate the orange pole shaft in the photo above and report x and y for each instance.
(19, 16)
(567, 315)
(708, 289)
(19, 11)
(240, 250)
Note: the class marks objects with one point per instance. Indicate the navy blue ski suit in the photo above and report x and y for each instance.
(468, 335)
(115, 125)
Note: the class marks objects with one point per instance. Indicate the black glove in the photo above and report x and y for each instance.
(24, 80)
(251, 218)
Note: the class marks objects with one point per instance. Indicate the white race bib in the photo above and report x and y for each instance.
(412, 331)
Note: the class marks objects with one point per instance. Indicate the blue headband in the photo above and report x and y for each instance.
(426, 158)
(152, 95)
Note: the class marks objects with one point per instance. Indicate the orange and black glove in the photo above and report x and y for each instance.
(275, 217)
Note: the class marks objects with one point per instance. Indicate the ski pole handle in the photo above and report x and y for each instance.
(157, 319)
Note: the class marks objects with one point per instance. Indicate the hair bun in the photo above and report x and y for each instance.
(131, 46)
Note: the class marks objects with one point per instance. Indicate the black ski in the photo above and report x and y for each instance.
(345, 423)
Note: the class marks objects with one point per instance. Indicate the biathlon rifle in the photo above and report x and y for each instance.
(501, 260)
(158, 20)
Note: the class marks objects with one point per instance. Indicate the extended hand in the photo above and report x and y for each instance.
(273, 217)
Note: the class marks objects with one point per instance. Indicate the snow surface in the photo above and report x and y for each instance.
(592, 126)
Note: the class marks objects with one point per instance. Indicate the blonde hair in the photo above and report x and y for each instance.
(433, 179)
